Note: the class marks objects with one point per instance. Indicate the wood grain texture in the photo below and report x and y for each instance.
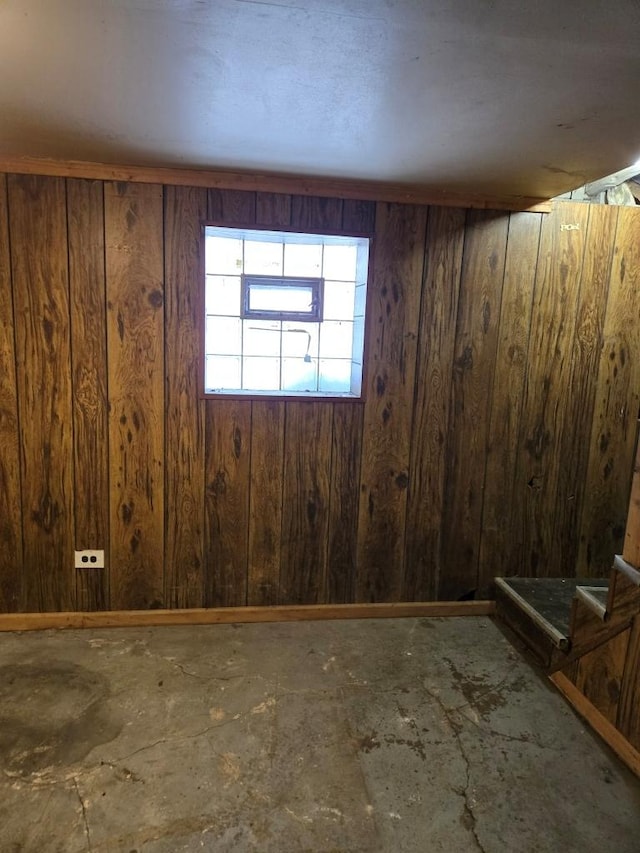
(265, 510)
(273, 210)
(599, 675)
(384, 463)
(551, 346)
(579, 399)
(358, 217)
(617, 399)
(394, 308)
(246, 181)
(305, 502)
(85, 217)
(346, 450)
(315, 213)
(476, 342)
(41, 305)
(10, 486)
(628, 720)
(227, 472)
(233, 207)
(497, 557)
(135, 340)
(184, 209)
(631, 550)
(623, 600)
(430, 431)
(227, 615)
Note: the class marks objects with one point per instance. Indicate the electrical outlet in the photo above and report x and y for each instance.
(89, 559)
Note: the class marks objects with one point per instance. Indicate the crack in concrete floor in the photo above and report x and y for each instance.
(385, 735)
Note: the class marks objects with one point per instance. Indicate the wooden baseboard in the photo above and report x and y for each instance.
(599, 723)
(225, 615)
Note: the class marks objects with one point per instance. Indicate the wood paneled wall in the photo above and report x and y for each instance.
(497, 436)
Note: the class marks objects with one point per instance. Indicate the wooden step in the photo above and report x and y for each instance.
(624, 590)
(539, 610)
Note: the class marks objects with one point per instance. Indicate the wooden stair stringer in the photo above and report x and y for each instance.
(590, 626)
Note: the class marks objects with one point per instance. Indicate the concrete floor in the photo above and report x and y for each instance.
(381, 735)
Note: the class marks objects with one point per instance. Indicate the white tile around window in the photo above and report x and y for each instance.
(302, 260)
(263, 258)
(223, 255)
(224, 336)
(223, 295)
(339, 297)
(261, 373)
(339, 262)
(261, 337)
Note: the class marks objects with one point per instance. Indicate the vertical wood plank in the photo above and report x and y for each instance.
(600, 672)
(474, 358)
(228, 444)
(318, 214)
(343, 503)
(551, 346)
(613, 434)
(393, 311)
(305, 502)
(185, 208)
(628, 720)
(631, 550)
(235, 207)
(496, 552)
(358, 217)
(439, 308)
(135, 342)
(579, 400)
(10, 492)
(265, 510)
(85, 217)
(273, 210)
(41, 302)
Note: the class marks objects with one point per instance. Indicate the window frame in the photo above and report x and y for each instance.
(317, 300)
(281, 396)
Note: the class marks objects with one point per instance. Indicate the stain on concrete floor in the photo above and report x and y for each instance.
(372, 735)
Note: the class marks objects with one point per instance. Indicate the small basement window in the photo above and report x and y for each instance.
(284, 313)
(268, 297)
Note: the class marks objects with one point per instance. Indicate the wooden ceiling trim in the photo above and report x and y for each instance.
(280, 183)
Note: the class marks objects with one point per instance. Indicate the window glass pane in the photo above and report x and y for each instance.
(339, 262)
(295, 299)
(303, 260)
(300, 339)
(223, 336)
(336, 340)
(223, 255)
(299, 375)
(335, 375)
(262, 258)
(261, 337)
(222, 373)
(261, 374)
(223, 295)
(338, 300)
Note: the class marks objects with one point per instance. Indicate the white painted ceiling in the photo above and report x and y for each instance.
(512, 97)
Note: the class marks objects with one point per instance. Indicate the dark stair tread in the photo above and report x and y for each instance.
(551, 599)
(597, 592)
